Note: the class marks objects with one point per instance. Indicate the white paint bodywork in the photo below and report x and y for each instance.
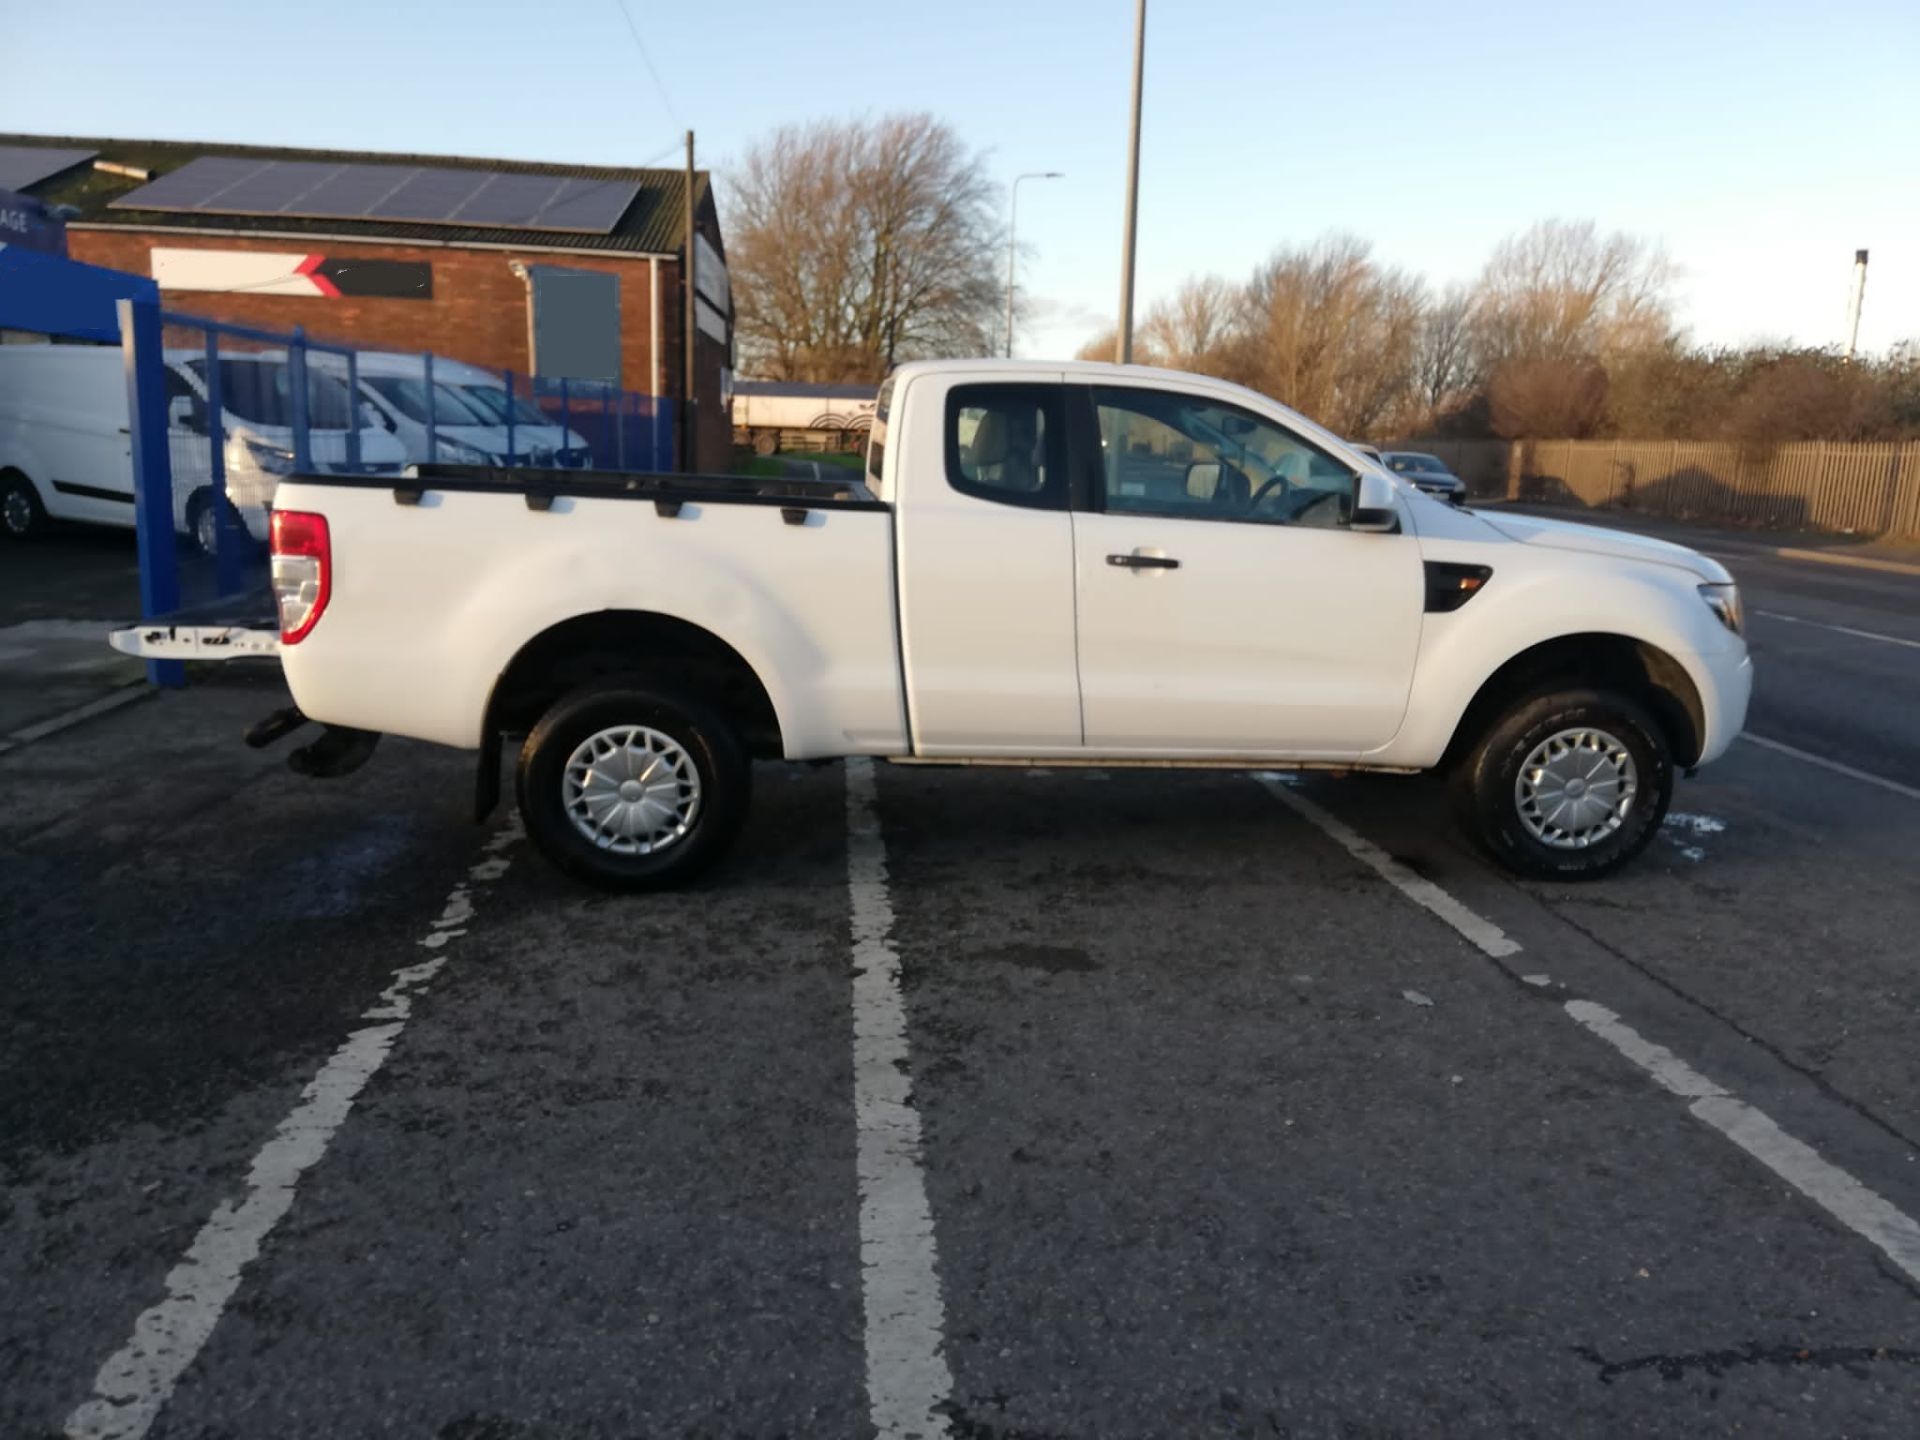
(1008, 635)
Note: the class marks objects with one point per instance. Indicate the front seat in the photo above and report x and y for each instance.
(999, 448)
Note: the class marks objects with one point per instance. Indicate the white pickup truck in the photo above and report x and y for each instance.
(1055, 563)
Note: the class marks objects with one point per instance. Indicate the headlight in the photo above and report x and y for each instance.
(1724, 601)
(245, 454)
(455, 452)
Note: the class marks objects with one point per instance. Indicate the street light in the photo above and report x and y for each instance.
(1123, 341)
(1013, 222)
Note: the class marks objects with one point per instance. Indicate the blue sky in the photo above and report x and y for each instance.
(1761, 143)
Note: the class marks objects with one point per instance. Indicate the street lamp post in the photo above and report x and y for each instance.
(1013, 223)
(1123, 342)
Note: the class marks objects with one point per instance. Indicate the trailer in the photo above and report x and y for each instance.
(775, 415)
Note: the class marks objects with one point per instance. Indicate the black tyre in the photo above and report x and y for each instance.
(203, 521)
(1567, 786)
(22, 516)
(632, 786)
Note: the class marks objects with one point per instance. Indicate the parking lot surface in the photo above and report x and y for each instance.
(1244, 1105)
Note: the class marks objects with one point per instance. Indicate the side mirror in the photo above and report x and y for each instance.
(180, 414)
(1374, 511)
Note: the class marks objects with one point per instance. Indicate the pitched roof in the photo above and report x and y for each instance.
(655, 223)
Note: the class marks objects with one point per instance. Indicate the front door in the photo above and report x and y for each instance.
(1225, 609)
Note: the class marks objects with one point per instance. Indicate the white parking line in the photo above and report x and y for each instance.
(907, 1374)
(1423, 892)
(1866, 777)
(1834, 1190)
(137, 1381)
(66, 720)
(1830, 1187)
(1841, 629)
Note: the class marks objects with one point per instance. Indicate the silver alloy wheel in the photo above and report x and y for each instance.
(206, 530)
(631, 790)
(1576, 788)
(17, 511)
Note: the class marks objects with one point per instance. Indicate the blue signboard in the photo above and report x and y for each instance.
(24, 222)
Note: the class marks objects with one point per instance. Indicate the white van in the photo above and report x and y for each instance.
(395, 386)
(537, 441)
(65, 453)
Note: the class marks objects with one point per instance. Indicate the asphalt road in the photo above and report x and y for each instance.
(1222, 1132)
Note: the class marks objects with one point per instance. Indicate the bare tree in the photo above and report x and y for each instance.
(1446, 365)
(1201, 327)
(1332, 333)
(1562, 290)
(857, 244)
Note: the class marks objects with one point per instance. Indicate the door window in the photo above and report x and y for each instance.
(1006, 443)
(1188, 457)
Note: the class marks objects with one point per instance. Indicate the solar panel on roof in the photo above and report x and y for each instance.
(272, 187)
(187, 187)
(595, 205)
(424, 194)
(509, 200)
(24, 165)
(432, 194)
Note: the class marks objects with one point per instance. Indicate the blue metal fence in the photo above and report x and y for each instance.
(219, 412)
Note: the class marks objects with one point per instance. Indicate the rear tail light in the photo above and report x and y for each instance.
(302, 571)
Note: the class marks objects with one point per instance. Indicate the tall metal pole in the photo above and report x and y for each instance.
(1013, 227)
(1124, 346)
(1855, 299)
(692, 298)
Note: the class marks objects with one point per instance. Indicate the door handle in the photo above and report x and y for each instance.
(1144, 562)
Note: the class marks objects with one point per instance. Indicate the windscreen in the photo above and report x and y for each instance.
(409, 397)
(498, 405)
(259, 390)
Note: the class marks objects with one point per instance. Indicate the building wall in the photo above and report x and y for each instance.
(478, 312)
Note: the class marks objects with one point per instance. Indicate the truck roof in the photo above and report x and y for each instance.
(1094, 372)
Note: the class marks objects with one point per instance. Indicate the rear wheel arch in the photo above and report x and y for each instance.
(1595, 659)
(644, 644)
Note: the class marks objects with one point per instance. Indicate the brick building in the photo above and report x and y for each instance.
(549, 270)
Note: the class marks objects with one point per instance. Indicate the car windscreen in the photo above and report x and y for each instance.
(409, 396)
(498, 405)
(260, 391)
(1413, 462)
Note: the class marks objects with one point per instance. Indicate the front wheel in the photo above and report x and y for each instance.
(22, 516)
(629, 786)
(1569, 785)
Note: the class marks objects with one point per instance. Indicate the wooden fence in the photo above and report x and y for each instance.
(1855, 489)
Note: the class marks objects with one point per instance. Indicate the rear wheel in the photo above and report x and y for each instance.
(22, 516)
(1569, 785)
(630, 786)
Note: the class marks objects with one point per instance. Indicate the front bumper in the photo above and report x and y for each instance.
(1724, 698)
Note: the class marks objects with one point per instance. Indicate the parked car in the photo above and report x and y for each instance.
(1046, 563)
(1428, 472)
(65, 452)
(537, 441)
(396, 387)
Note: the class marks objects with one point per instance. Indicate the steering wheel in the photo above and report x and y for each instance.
(1279, 481)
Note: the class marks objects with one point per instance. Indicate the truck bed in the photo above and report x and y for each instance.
(439, 579)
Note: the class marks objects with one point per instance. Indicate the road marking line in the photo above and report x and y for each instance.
(907, 1375)
(138, 1380)
(40, 730)
(1841, 629)
(1800, 1165)
(1911, 792)
(1860, 1209)
(1423, 892)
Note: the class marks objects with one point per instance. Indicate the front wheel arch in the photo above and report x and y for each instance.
(1643, 671)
